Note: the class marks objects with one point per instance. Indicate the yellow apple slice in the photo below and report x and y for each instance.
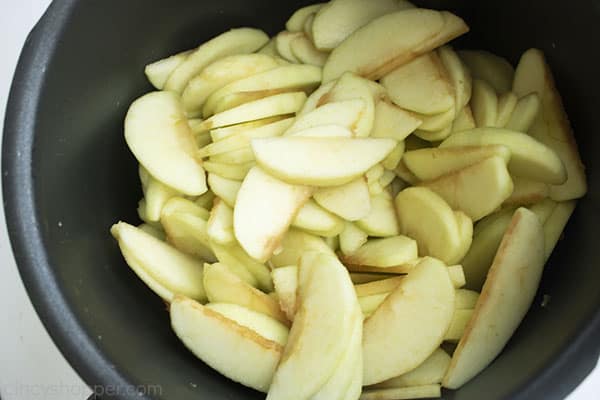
(314, 100)
(378, 287)
(285, 281)
(156, 194)
(219, 134)
(458, 325)
(458, 74)
(478, 189)
(555, 224)
(165, 270)
(382, 253)
(304, 50)
(235, 41)
(157, 132)
(240, 263)
(350, 201)
(551, 127)
(155, 231)
(464, 120)
(283, 44)
(236, 351)
(368, 304)
(507, 103)
(393, 122)
(424, 300)
(296, 22)
(352, 238)
(527, 192)
(320, 161)
(221, 73)
(391, 41)
(490, 68)
(505, 298)
(525, 113)
(381, 220)
(465, 299)
(226, 189)
(230, 171)
(318, 221)
(270, 49)
(279, 104)
(465, 231)
(421, 85)
(239, 156)
(424, 216)
(322, 328)
(431, 163)
(339, 18)
(158, 72)
(220, 224)
(529, 158)
(432, 371)
(484, 104)
(223, 286)
(264, 210)
(294, 244)
(457, 276)
(342, 113)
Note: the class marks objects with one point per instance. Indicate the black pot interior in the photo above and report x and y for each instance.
(83, 179)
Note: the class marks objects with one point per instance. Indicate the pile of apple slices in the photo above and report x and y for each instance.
(308, 197)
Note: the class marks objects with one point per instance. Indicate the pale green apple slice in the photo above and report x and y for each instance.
(240, 263)
(157, 132)
(484, 104)
(506, 296)
(226, 189)
(477, 190)
(525, 113)
(552, 126)
(457, 276)
(435, 135)
(156, 194)
(158, 72)
(336, 20)
(529, 158)
(432, 371)
(343, 113)
(425, 216)
(421, 85)
(393, 122)
(155, 231)
(296, 22)
(270, 49)
(368, 304)
(507, 103)
(325, 131)
(320, 161)
(555, 224)
(304, 50)
(264, 209)
(318, 221)
(458, 325)
(239, 156)
(465, 299)
(220, 223)
(285, 281)
(437, 122)
(219, 134)
(378, 287)
(352, 238)
(223, 286)
(322, 328)
(424, 300)
(236, 351)
(381, 220)
(235, 41)
(283, 44)
(350, 201)
(403, 393)
(314, 100)
(165, 270)
(431, 163)
(527, 191)
(465, 231)
(230, 171)
(391, 41)
(489, 67)
(294, 244)
(464, 120)
(458, 74)
(221, 73)
(382, 253)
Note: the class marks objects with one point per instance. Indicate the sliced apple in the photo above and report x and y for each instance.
(205, 200)
(555, 225)
(219, 134)
(424, 300)
(350, 201)
(552, 126)
(285, 281)
(342, 113)
(283, 44)
(489, 67)
(421, 85)
(156, 194)
(431, 163)
(368, 304)
(458, 325)
(393, 122)
(391, 41)
(236, 351)
(264, 209)
(235, 41)
(220, 224)
(527, 192)
(239, 156)
(458, 74)
(378, 287)
(155, 231)
(352, 238)
(221, 73)
(477, 190)
(464, 120)
(525, 113)
(432, 371)
(157, 132)
(296, 22)
(543, 210)
(484, 104)
(226, 189)
(322, 330)
(165, 270)
(304, 50)
(381, 220)
(230, 171)
(465, 299)
(243, 265)
(457, 276)
(314, 100)
(465, 231)
(294, 244)
(507, 294)
(320, 161)
(158, 72)
(316, 220)
(386, 252)
(529, 158)
(507, 103)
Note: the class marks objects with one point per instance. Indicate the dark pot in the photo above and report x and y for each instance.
(68, 175)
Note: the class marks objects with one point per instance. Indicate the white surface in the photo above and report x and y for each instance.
(31, 367)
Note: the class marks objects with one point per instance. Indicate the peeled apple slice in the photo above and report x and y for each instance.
(430, 372)
(342, 113)
(484, 104)
(315, 219)
(489, 67)
(303, 49)
(294, 244)
(156, 194)
(393, 122)
(157, 132)
(296, 22)
(381, 220)
(320, 161)
(382, 253)
(350, 201)
(525, 113)
(158, 72)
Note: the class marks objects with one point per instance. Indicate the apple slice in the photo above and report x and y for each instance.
(240, 263)
(156, 194)
(527, 192)
(421, 85)
(343, 113)
(506, 296)
(381, 220)
(529, 158)
(490, 68)
(294, 244)
(221, 73)
(477, 190)
(165, 270)
(458, 75)
(555, 225)
(457, 276)
(382, 253)
(235, 41)
(392, 40)
(552, 125)
(465, 299)
(368, 304)
(393, 122)
(239, 156)
(424, 300)
(236, 351)
(525, 113)
(465, 231)
(158, 72)
(425, 216)
(220, 224)
(464, 120)
(157, 133)
(339, 18)
(378, 287)
(155, 231)
(431, 163)
(270, 49)
(507, 103)
(314, 100)
(432, 371)
(264, 210)
(350, 201)
(285, 281)
(458, 325)
(304, 50)
(411, 392)
(318, 221)
(230, 171)
(322, 330)
(223, 286)
(226, 189)
(352, 238)
(219, 134)
(283, 44)
(296, 22)
(319, 161)
(484, 104)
